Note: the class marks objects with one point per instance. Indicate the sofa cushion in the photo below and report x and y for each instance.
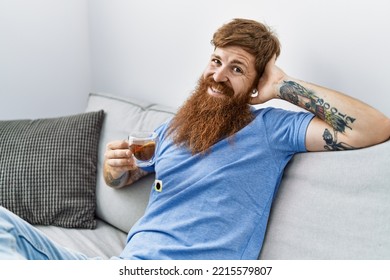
(48, 169)
(105, 241)
(332, 205)
(123, 207)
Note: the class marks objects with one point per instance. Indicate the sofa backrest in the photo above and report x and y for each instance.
(332, 205)
(123, 207)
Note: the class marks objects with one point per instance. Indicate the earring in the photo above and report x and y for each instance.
(254, 93)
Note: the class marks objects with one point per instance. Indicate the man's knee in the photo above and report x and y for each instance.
(8, 243)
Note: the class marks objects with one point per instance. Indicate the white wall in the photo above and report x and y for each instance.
(53, 52)
(44, 58)
(158, 49)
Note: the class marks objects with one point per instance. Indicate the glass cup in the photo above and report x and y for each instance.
(143, 146)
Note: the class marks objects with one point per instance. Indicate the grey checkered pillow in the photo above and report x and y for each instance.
(48, 169)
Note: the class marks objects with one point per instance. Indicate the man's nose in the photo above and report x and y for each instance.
(220, 75)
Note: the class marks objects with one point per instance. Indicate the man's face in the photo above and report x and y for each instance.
(230, 67)
(218, 108)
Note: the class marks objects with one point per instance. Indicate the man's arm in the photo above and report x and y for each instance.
(341, 122)
(119, 168)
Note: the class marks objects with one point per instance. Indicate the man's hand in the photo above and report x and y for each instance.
(118, 161)
(269, 83)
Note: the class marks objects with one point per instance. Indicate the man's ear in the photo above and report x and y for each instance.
(254, 93)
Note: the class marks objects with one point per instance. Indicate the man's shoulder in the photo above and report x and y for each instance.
(270, 111)
(277, 111)
(278, 117)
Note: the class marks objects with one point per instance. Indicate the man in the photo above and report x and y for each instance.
(220, 161)
(218, 157)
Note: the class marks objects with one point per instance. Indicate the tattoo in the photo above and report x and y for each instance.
(127, 178)
(299, 95)
(331, 142)
(135, 175)
(115, 182)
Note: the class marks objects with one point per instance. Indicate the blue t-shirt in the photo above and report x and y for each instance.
(216, 206)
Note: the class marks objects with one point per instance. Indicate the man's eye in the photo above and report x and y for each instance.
(238, 70)
(216, 61)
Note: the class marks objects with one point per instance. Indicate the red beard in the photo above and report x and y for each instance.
(204, 120)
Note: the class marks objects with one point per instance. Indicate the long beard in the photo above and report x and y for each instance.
(204, 120)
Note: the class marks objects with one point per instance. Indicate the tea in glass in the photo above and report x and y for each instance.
(143, 146)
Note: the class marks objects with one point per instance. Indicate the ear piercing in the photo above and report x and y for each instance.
(254, 93)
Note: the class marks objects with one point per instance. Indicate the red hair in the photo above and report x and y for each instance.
(252, 36)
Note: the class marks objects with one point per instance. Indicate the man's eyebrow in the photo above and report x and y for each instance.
(234, 61)
(239, 62)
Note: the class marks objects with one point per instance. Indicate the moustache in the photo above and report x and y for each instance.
(219, 86)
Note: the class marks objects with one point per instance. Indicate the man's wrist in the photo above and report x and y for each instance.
(116, 182)
(293, 92)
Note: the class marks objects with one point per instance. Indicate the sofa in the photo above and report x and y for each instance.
(330, 205)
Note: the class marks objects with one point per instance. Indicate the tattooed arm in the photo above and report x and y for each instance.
(119, 169)
(341, 122)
